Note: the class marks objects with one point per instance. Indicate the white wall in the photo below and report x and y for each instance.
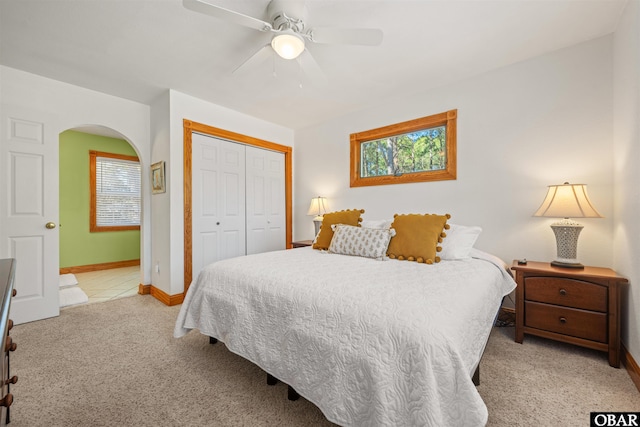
(160, 224)
(520, 128)
(181, 107)
(626, 55)
(73, 106)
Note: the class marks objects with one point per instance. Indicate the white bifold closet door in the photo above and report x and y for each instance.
(218, 200)
(266, 219)
(238, 200)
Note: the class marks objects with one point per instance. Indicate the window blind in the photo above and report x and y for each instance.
(117, 192)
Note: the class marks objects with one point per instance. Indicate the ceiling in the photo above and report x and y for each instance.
(137, 49)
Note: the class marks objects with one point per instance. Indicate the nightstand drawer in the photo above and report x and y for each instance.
(567, 321)
(566, 292)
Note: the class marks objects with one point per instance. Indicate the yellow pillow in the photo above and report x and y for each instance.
(347, 217)
(417, 237)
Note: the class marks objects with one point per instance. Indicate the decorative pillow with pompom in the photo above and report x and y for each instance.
(347, 217)
(359, 241)
(417, 237)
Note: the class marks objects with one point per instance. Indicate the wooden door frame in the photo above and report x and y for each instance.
(189, 127)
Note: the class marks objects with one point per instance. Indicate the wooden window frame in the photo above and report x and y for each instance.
(93, 226)
(448, 119)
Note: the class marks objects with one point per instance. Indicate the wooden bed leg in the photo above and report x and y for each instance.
(292, 394)
(476, 377)
(271, 380)
(212, 340)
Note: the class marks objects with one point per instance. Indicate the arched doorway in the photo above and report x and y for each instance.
(105, 259)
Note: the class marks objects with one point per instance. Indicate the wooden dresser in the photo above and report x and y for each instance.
(7, 273)
(577, 306)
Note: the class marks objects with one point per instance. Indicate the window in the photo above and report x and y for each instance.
(415, 151)
(115, 192)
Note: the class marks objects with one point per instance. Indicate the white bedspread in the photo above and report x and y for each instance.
(371, 343)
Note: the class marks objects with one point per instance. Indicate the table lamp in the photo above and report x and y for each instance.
(567, 201)
(317, 209)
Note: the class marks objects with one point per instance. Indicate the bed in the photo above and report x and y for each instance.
(375, 343)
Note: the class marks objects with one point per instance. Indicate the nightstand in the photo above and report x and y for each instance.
(301, 243)
(576, 306)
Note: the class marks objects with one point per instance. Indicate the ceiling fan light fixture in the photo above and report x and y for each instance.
(288, 46)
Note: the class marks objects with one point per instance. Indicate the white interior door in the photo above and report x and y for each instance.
(266, 219)
(218, 200)
(28, 201)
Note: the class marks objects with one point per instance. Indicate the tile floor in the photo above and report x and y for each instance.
(109, 284)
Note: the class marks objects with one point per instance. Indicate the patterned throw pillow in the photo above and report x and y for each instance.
(348, 217)
(417, 237)
(358, 241)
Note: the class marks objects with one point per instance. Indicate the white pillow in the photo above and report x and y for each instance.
(359, 241)
(378, 224)
(459, 241)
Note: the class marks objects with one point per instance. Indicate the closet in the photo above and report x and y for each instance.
(238, 200)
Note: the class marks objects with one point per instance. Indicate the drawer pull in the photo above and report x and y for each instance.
(14, 293)
(7, 400)
(563, 291)
(10, 325)
(12, 380)
(10, 345)
(563, 320)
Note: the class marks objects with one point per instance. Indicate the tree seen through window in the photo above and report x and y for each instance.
(419, 151)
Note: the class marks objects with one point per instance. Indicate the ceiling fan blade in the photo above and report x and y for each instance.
(311, 69)
(357, 36)
(226, 14)
(259, 56)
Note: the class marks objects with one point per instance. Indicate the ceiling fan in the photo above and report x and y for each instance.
(287, 23)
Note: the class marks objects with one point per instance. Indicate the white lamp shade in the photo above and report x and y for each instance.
(567, 201)
(288, 46)
(318, 206)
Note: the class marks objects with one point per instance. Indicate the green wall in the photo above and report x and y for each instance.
(77, 245)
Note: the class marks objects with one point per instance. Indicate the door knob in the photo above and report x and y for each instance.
(50, 225)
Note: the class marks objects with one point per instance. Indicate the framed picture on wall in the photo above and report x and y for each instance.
(157, 178)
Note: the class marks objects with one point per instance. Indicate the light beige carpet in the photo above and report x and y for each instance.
(117, 364)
